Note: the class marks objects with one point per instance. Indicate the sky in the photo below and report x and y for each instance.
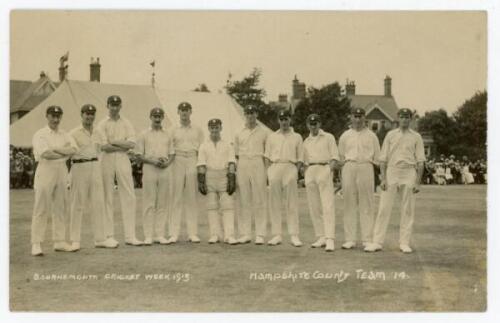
(435, 59)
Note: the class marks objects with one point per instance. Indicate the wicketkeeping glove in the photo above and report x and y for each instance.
(231, 183)
(202, 185)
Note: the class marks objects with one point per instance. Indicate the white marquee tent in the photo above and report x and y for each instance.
(137, 102)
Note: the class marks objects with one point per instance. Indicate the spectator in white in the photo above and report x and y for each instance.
(154, 149)
(51, 147)
(118, 137)
(402, 164)
(87, 192)
(359, 149)
(284, 158)
(18, 170)
(320, 158)
(217, 179)
(249, 147)
(439, 175)
(447, 172)
(467, 177)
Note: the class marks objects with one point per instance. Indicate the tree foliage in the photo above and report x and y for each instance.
(247, 92)
(329, 103)
(462, 133)
(202, 88)
(441, 127)
(471, 121)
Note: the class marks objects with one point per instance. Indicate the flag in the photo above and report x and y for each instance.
(152, 64)
(64, 58)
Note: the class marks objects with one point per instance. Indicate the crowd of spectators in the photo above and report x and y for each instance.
(23, 165)
(450, 170)
(22, 168)
(441, 171)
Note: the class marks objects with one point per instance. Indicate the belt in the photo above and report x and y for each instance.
(186, 153)
(320, 164)
(76, 161)
(358, 162)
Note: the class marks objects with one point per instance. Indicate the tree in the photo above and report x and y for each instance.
(441, 127)
(247, 92)
(329, 103)
(471, 121)
(269, 116)
(202, 88)
(463, 133)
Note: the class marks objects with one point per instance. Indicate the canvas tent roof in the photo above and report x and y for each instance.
(71, 95)
(137, 102)
(206, 106)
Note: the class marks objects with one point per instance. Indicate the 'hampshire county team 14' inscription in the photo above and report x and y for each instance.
(339, 276)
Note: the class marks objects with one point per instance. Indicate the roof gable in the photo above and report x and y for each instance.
(376, 113)
(387, 104)
(35, 93)
(17, 89)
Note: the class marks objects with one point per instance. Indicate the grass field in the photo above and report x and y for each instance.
(447, 271)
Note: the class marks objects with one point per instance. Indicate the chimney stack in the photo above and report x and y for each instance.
(95, 70)
(298, 89)
(283, 98)
(350, 88)
(388, 86)
(62, 73)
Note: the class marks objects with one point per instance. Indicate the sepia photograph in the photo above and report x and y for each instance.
(188, 161)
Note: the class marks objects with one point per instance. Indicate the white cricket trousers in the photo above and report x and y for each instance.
(283, 186)
(118, 164)
(358, 187)
(218, 199)
(184, 191)
(155, 182)
(87, 194)
(321, 200)
(251, 179)
(50, 191)
(400, 180)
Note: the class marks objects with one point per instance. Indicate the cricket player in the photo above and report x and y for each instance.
(186, 139)
(154, 149)
(402, 164)
(359, 150)
(87, 192)
(118, 137)
(51, 148)
(284, 158)
(249, 146)
(217, 179)
(320, 158)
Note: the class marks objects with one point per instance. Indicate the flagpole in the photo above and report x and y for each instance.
(153, 73)
(63, 68)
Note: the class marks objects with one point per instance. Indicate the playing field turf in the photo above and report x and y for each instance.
(447, 271)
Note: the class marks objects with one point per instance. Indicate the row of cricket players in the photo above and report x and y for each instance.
(180, 162)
